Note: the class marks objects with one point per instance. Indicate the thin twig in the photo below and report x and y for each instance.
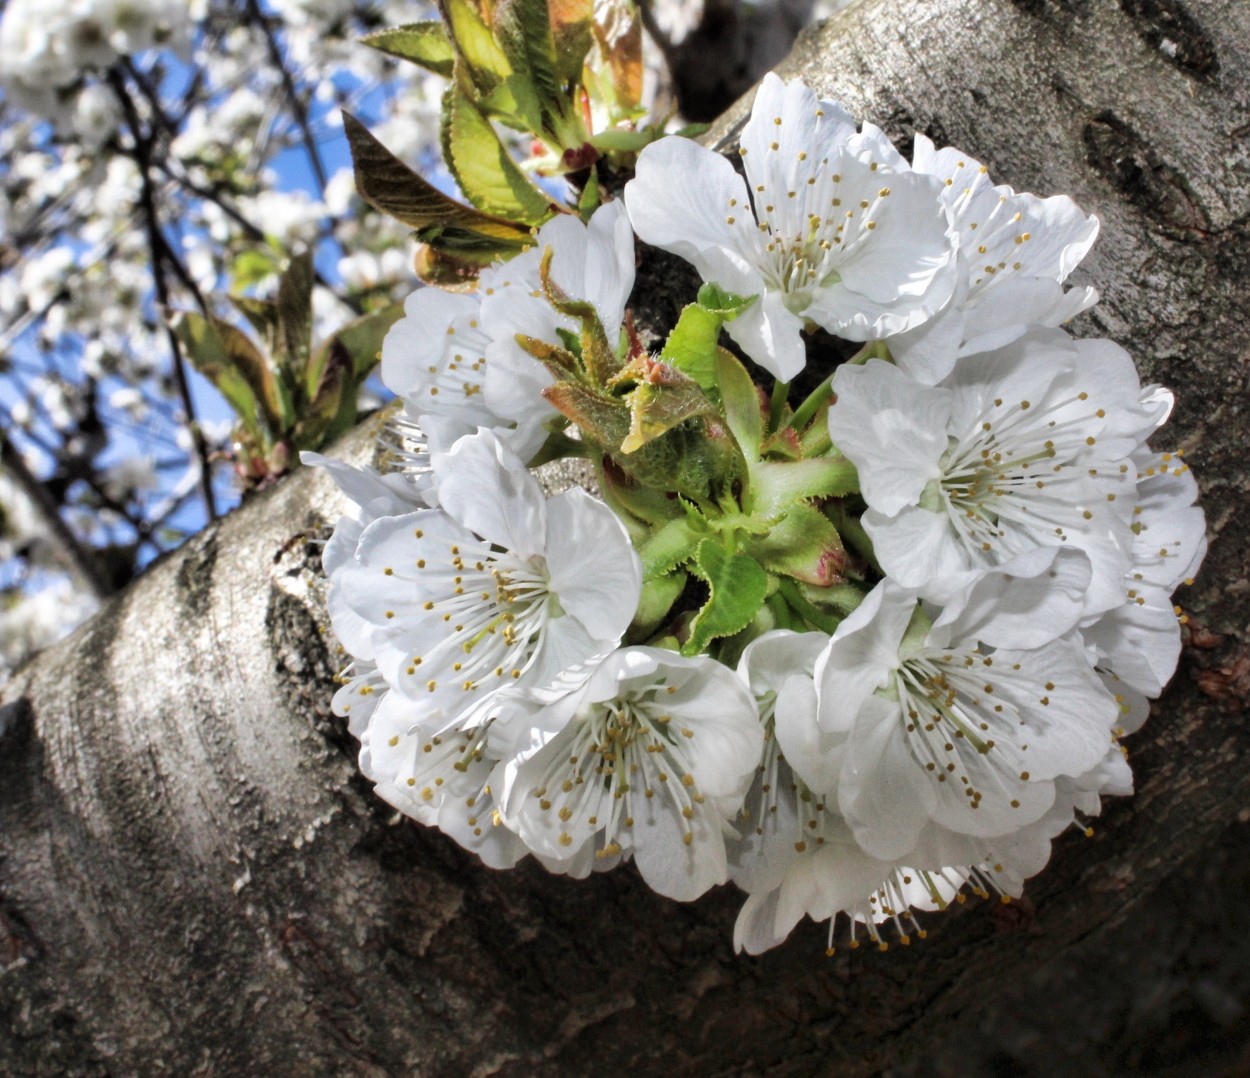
(160, 252)
(292, 93)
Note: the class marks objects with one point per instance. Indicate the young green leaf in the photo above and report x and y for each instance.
(692, 345)
(423, 43)
(741, 403)
(361, 340)
(294, 307)
(475, 44)
(482, 166)
(389, 185)
(737, 587)
(665, 398)
(233, 363)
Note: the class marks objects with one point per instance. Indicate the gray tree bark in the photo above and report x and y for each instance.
(195, 880)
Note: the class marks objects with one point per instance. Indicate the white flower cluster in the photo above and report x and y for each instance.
(929, 680)
(46, 49)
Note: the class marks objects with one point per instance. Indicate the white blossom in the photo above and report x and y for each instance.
(835, 230)
(967, 721)
(1137, 644)
(1024, 447)
(497, 587)
(648, 759)
(1015, 252)
(454, 359)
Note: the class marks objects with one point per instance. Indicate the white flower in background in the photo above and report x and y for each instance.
(1015, 252)
(43, 53)
(1024, 447)
(454, 359)
(836, 228)
(1138, 643)
(34, 619)
(966, 722)
(498, 587)
(649, 758)
(290, 218)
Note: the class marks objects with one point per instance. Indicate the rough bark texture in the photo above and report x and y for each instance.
(194, 879)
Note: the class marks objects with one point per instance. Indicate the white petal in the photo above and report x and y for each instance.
(892, 429)
(680, 200)
(486, 489)
(861, 655)
(772, 336)
(1034, 598)
(594, 568)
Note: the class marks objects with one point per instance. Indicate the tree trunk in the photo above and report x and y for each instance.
(195, 880)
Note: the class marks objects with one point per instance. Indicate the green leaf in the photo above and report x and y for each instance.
(778, 484)
(728, 304)
(361, 343)
(571, 24)
(589, 200)
(482, 166)
(601, 421)
(524, 32)
(804, 544)
(474, 43)
(737, 587)
(692, 130)
(294, 307)
(263, 316)
(740, 400)
(669, 546)
(253, 266)
(423, 43)
(662, 400)
(333, 409)
(515, 103)
(692, 345)
(389, 185)
(620, 140)
(618, 31)
(228, 359)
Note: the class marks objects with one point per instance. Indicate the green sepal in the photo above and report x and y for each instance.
(656, 600)
(805, 545)
(423, 43)
(741, 403)
(737, 587)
